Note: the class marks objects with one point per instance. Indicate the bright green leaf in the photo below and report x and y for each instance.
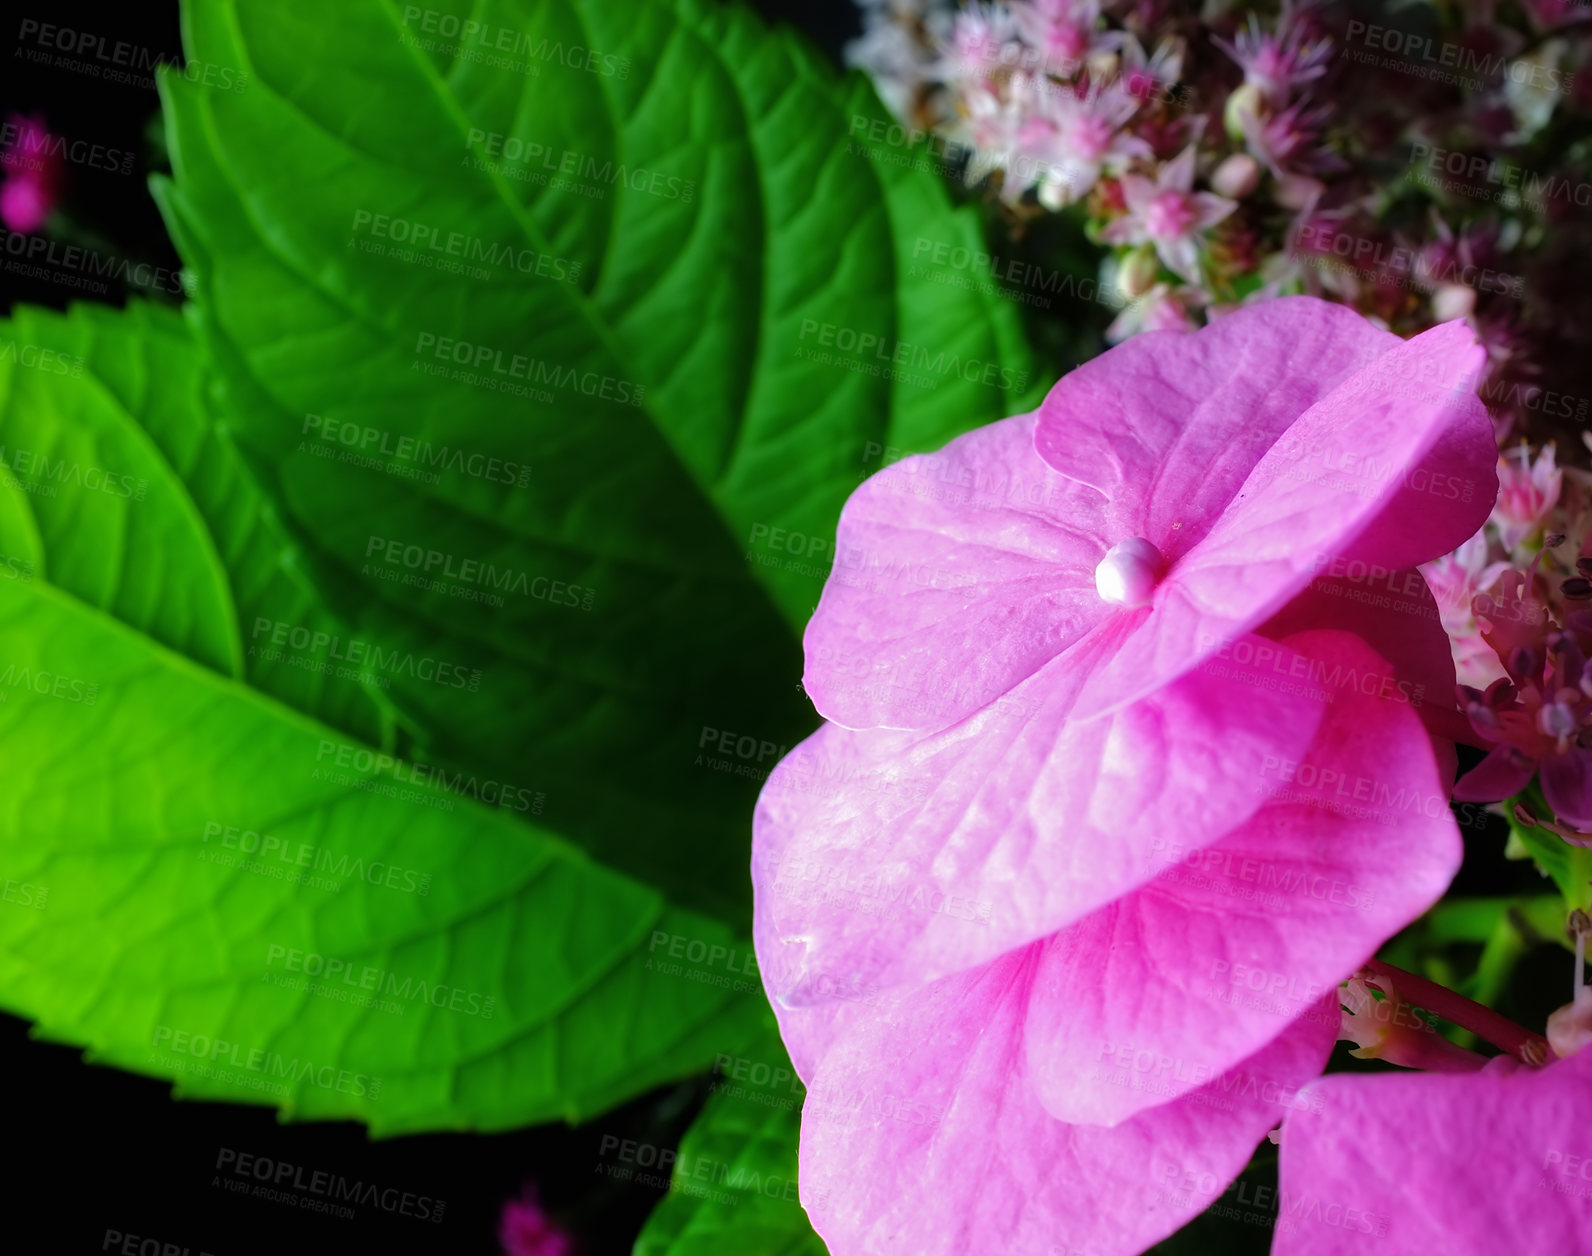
(734, 1185)
(676, 294)
(210, 876)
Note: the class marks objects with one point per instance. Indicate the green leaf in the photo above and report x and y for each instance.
(208, 875)
(733, 1190)
(1569, 866)
(697, 323)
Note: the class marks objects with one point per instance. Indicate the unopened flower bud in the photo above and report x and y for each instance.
(1136, 272)
(1248, 100)
(1451, 301)
(1102, 65)
(1236, 177)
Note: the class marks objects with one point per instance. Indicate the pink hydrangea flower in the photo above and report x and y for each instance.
(1147, 77)
(1078, 136)
(1320, 411)
(991, 129)
(1474, 1164)
(1290, 139)
(525, 1229)
(1169, 214)
(32, 167)
(1538, 721)
(981, 42)
(1162, 308)
(1001, 899)
(1455, 580)
(1528, 491)
(1064, 34)
(1278, 65)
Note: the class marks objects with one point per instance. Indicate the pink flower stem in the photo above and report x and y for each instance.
(1485, 1023)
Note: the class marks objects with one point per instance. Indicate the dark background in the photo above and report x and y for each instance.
(95, 1149)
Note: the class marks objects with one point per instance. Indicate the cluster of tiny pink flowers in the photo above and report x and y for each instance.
(1538, 538)
(1224, 161)
(1516, 603)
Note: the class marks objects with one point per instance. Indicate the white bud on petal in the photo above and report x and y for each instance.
(1128, 574)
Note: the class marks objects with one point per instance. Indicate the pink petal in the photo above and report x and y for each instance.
(1207, 964)
(1336, 478)
(956, 575)
(895, 857)
(1505, 771)
(1210, 209)
(922, 1133)
(1475, 1164)
(1168, 427)
(1137, 193)
(1182, 257)
(1397, 616)
(1179, 172)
